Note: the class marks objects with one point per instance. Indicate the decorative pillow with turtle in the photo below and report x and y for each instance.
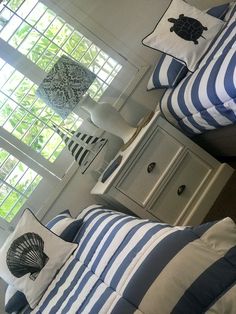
(184, 32)
(31, 257)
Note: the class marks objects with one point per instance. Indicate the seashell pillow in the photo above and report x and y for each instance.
(184, 32)
(31, 257)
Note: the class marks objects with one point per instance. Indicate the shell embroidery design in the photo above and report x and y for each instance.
(187, 28)
(26, 255)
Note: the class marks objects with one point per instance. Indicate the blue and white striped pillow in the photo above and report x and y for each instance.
(65, 226)
(168, 73)
(219, 11)
(55, 221)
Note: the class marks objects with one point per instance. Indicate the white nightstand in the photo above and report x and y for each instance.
(164, 175)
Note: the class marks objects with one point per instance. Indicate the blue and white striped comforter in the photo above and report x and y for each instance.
(127, 265)
(206, 99)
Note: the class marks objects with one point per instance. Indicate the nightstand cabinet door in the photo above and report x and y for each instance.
(184, 185)
(142, 176)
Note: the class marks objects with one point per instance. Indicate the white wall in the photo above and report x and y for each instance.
(2, 293)
(123, 24)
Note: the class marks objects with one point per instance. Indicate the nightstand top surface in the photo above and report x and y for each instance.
(100, 187)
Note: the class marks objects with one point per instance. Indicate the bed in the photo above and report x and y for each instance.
(123, 264)
(205, 99)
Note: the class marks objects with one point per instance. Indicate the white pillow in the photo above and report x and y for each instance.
(31, 257)
(184, 32)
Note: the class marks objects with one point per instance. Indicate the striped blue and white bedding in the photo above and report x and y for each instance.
(206, 99)
(127, 265)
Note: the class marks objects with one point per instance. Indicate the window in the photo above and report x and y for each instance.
(42, 36)
(32, 38)
(17, 182)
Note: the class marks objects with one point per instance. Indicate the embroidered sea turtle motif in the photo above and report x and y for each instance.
(187, 28)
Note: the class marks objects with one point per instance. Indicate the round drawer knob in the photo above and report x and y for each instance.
(150, 167)
(181, 189)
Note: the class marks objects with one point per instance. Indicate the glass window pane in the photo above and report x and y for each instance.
(7, 110)
(8, 166)
(14, 177)
(12, 83)
(63, 34)
(10, 28)
(5, 74)
(5, 17)
(45, 60)
(32, 133)
(45, 21)
(33, 185)
(29, 41)
(36, 13)
(24, 125)
(90, 55)
(57, 152)
(19, 35)
(14, 4)
(54, 28)
(26, 180)
(3, 155)
(51, 146)
(72, 42)
(14, 120)
(18, 204)
(3, 99)
(38, 49)
(22, 89)
(81, 48)
(4, 192)
(26, 7)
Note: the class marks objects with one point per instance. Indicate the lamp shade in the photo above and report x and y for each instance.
(64, 85)
(83, 147)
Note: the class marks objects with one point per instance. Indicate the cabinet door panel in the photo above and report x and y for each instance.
(181, 188)
(143, 176)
